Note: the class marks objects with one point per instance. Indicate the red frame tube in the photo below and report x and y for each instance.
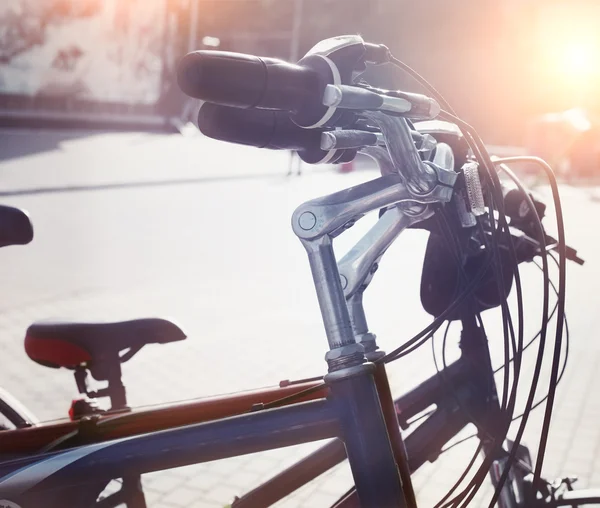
(111, 426)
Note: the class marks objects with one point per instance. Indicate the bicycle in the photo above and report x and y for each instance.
(435, 175)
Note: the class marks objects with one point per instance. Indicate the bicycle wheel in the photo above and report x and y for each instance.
(13, 414)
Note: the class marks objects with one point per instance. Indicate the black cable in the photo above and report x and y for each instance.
(483, 470)
(415, 347)
(562, 370)
(481, 154)
(437, 322)
(567, 341)
(561, 306)
(532, 340)
(464, 473)
(495, 185)
(423, 82)
(480, 476)
(508, 330)
(290, 398)
(459, 442)
(452, 241)
(469, 492)
(447, 382)
(504, 225)
(471, 485)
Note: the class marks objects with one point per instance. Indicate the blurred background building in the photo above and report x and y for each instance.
(501, 63)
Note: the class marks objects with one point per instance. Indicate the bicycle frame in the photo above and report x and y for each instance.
(352, 411)
(471, 399)
(32, 438)
(358, 410)
(267, 429)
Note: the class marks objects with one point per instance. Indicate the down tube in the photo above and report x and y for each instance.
(239, 435)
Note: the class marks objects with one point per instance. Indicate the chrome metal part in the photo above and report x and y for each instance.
(368, 340)
(382, 157)
(443, 156)
(428, 143)
(334, 311)
(357, 314)
(357, 266)
(349, 372)
(328, 141)
(473, 186)
(403, 152)
(349, 349)
(347, 139)
(438, 127)
(332, 96)
(331, 213)
(395, 104)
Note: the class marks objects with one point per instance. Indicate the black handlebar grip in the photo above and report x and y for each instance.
(248, 81)
(256, 127)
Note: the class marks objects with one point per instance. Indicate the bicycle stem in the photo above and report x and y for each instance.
(359, 265)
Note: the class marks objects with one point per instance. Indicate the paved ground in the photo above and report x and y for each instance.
(133, 225)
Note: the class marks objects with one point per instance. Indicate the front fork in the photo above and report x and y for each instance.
(490, 418)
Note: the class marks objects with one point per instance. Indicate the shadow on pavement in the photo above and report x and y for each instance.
(139, 184)
(15, 143)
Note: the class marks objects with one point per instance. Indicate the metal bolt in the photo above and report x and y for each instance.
(307, 221)
(344, 281)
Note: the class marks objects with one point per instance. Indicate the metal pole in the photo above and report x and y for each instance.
(297, 24)
(193, 34)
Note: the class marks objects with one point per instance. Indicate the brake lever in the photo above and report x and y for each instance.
(571, 252)
(409, 105)
(348, 138)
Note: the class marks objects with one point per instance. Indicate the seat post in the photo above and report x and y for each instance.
(116, 388)
(109, 370)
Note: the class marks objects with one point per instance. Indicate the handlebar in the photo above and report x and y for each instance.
(320, 108)
(256, 127)
(269, 129)
(247, 81)
(321, 92)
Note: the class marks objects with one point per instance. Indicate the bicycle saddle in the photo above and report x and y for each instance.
(15, 227)
(69, 344)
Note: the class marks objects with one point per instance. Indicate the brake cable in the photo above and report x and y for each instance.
(475, 148)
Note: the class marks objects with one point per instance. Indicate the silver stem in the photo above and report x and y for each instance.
(332, 302)
(360, 263)
(330, 214)
(382, 157)
(357, 314)
(402, 150)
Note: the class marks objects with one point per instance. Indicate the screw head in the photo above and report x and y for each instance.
(344, 281)
(307, 221)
